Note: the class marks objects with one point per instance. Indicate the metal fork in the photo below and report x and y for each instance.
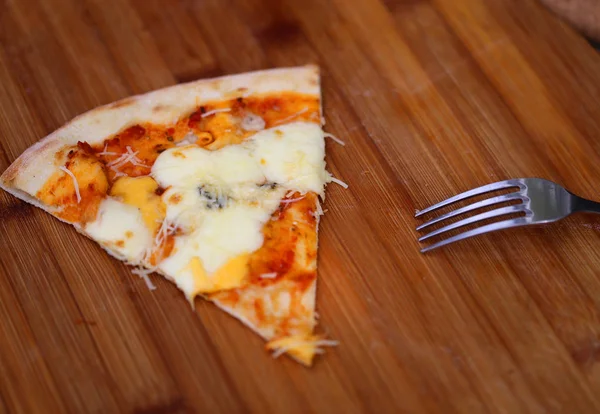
(541, 200)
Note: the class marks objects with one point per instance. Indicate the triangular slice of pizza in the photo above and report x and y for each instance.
(214, 184)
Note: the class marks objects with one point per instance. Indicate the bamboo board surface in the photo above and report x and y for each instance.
(432, 98)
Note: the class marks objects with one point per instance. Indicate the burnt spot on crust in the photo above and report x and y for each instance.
(159, 108)
(83, 145)
(237, 106)
(11, 172)
(39, 150)
(122, 103)
(259, 309)
(59, 156)
(18, 165)
(304, 280)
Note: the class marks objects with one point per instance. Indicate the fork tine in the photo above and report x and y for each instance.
(471, 207)
(506, 224)
(474, 219)
(471, 193)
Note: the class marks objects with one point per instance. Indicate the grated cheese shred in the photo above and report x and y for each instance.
(118, 173)
(215, 111)
(292, 200)
(105, 152)
(301, 342)
(339, 182)
(75, 183)
(128, 157)
(334, 138)
(292, 116)
(135, 160)
(319, 208)
(163, 232)
(143, 274)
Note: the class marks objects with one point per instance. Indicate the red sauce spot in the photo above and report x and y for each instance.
(133, 133)
(304, 280)
(227, 297)
(85, 147)
(195, 118)
(285, 261)
(264, 105)
(259, 309)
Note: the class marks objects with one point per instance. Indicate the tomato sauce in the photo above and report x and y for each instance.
(214, 126)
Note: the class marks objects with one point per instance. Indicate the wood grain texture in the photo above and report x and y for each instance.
(432, 98)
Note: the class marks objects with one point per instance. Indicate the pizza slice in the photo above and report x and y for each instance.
(213, 184)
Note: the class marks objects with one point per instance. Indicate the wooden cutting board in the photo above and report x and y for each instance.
(432, 98)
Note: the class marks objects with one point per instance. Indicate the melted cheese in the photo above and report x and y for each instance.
(140, 192)
(231, 275)
(292, 155)
(222, 199)
(121, 228)
(214, 237)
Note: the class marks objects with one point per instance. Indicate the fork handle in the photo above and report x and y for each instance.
(588, 206)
